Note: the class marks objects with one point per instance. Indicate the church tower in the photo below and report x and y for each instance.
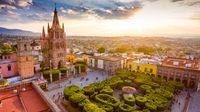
(54, 44)
(25, 63)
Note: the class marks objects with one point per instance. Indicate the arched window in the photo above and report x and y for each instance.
(9, 67)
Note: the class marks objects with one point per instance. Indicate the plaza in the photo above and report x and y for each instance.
(56, 88)
(55, 91)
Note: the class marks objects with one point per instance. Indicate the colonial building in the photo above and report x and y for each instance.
(37, 55)
(8, 68)
(54, 45)
(109, 64)
(185, 70)
(25, 63)
(21, 64)
(143, 65)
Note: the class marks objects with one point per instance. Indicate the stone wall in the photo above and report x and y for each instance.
(49, 102)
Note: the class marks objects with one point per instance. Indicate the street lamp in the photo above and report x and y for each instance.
(50, 64)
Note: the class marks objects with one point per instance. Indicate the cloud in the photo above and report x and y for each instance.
(195, 17)
(106, 9)
(193, 3)
(177, 0)
(16, 3)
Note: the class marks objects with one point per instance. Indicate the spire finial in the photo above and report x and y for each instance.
(55, 19)
(55, 8)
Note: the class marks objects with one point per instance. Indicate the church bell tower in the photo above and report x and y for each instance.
(25, 63)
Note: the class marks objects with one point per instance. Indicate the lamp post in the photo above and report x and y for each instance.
(50, 64)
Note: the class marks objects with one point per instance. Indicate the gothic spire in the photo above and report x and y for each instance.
(63, 26)
(55, 18)
(48, 26)
(43, 32)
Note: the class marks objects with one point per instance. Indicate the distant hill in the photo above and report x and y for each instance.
(17, 32)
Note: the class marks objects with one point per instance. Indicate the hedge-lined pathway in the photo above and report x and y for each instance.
(81, 81)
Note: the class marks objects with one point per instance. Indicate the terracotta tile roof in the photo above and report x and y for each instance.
(28, 100)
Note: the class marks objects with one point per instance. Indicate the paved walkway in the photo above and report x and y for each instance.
(179, 103)
(194, 105)
(57, 88)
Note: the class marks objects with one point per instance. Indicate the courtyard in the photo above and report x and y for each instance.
(92, 76)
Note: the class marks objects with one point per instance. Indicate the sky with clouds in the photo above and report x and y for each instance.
(106, 17)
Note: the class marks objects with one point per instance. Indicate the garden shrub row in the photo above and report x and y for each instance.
(125, 108)
(107, 90)
(130, 100)
(157, 94)
(68, 91)
(140, 101)
(107, 99)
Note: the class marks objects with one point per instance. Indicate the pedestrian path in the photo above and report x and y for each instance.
(179, 102)
(82, 81)
(194, 105)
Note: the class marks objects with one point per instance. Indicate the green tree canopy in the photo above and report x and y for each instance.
(101, 50)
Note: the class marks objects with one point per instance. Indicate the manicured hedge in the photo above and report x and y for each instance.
(83, 102)
(107, 108)
(125, 108)
(151, 106)
(68, 91)
(150, 91)
(77, 97)
(63, 70)
(107, 99)
(127, 82)
(89, 90)
(144, 88)
(161, 102)
(130, 100)
(177, 85)
(152, 84)
(140, 101)
(90, 107)
(55, 74)
(107, 90)
(164, 93)
(146, 110)
(98, 86)
(131, 78)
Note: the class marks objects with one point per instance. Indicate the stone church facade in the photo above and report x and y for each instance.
(54, 45)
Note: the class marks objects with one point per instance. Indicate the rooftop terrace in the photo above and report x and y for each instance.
(182, 63)
(22, 99)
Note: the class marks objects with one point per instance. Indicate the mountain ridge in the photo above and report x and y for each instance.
(18, 32)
